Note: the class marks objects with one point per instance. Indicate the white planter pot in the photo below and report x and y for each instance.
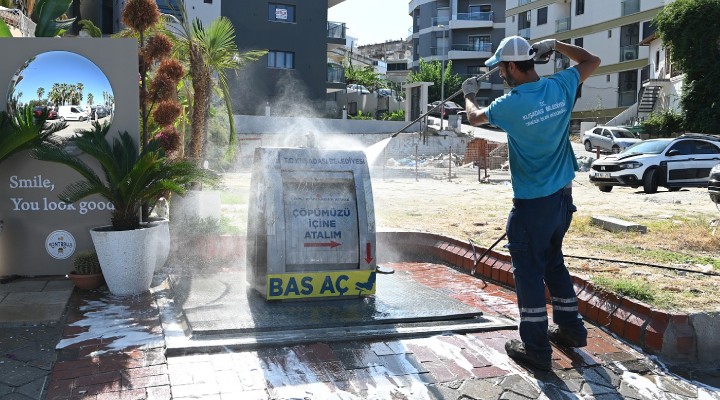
(127, 258)
(163, 249)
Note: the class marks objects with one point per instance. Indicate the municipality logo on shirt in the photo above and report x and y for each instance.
(60, 244)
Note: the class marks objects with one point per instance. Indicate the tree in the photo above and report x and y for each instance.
(432, 72)
(210, 53)
(689, 31)
(365, 76)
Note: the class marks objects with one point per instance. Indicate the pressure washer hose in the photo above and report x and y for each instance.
(452, 96)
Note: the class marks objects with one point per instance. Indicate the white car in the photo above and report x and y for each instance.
(684, 161)
(357, 88)
(610, 138)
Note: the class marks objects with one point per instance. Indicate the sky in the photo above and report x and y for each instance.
(373, 21)
(62, 67)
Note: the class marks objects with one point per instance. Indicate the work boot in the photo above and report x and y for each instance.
(515, 349)
(563, 339)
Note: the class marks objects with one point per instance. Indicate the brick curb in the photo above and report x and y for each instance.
(672, 336)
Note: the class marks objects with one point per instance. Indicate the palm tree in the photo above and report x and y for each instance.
(80, 88)
(40, 93)
(23, 131)
(210, 53)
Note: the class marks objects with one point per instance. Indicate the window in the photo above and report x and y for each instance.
(542, 16)
(609, 33)
(705, 148)
(579, 42)
(208, 1)
(579, 7)
(281, 13)
(684, 147)
(480, 43)
(281, 59)
(523, 20)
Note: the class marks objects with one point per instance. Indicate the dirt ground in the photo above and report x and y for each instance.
(679, 232)
(679, 229)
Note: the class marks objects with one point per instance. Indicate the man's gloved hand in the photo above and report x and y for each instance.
(471, 85)
(543, 47)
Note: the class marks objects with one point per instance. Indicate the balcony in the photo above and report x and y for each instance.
(335, 73)
(470, 51)
(629, 53)
(562, 25)
(523, 2)
(473, 20)
(335, 35)
(335, 78)
(437, 21)
(628, 7)
(524, 33)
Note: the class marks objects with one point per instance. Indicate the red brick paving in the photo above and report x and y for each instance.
(144, 373)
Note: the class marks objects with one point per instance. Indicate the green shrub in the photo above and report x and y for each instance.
(361, 115)
(663, 123)
(397, 115)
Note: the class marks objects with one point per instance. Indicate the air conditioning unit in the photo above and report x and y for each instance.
(629, 55)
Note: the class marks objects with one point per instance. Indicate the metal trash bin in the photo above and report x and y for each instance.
(311, 224)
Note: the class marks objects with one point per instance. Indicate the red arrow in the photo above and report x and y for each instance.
(331, 244)
(368, 252)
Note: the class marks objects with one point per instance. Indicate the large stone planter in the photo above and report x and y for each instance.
(127, 258)
(195, 205)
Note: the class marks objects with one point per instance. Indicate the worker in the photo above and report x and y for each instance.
(535, 113)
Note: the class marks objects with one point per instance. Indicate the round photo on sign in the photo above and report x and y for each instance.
(60, 244)
(62, 86)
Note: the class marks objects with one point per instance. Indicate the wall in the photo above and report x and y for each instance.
(339, 134)
(23, 242)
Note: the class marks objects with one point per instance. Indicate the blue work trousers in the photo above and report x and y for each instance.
(535, 232)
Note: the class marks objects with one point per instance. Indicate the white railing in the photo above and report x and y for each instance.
(16, 19)
(626, 117)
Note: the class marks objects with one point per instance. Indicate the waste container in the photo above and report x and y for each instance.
(311, 224)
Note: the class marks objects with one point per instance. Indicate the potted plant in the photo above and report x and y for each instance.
(127, 248)
(86, 274)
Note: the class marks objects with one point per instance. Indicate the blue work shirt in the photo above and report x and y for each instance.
(536, 117)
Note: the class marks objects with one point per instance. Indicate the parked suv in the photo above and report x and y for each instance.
(714, 184)
(612, 138)
(684, 161)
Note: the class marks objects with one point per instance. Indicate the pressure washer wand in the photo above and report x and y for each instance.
(452, 96)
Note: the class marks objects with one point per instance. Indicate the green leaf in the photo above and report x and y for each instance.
(90, 28)
(4, 29)
(45, 14)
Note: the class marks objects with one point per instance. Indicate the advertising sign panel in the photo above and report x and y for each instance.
(40, 233)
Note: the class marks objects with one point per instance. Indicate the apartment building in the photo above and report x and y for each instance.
(612, 29)
(295, 76)
(394, 55)
(464, 31)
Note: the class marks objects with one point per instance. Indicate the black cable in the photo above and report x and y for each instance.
(710, 273)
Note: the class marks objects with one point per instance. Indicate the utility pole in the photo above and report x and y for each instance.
(442, 77)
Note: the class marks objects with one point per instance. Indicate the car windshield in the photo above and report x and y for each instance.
(648, 147)
(623, 134)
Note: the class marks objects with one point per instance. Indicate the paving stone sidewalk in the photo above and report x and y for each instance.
(113, 348)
